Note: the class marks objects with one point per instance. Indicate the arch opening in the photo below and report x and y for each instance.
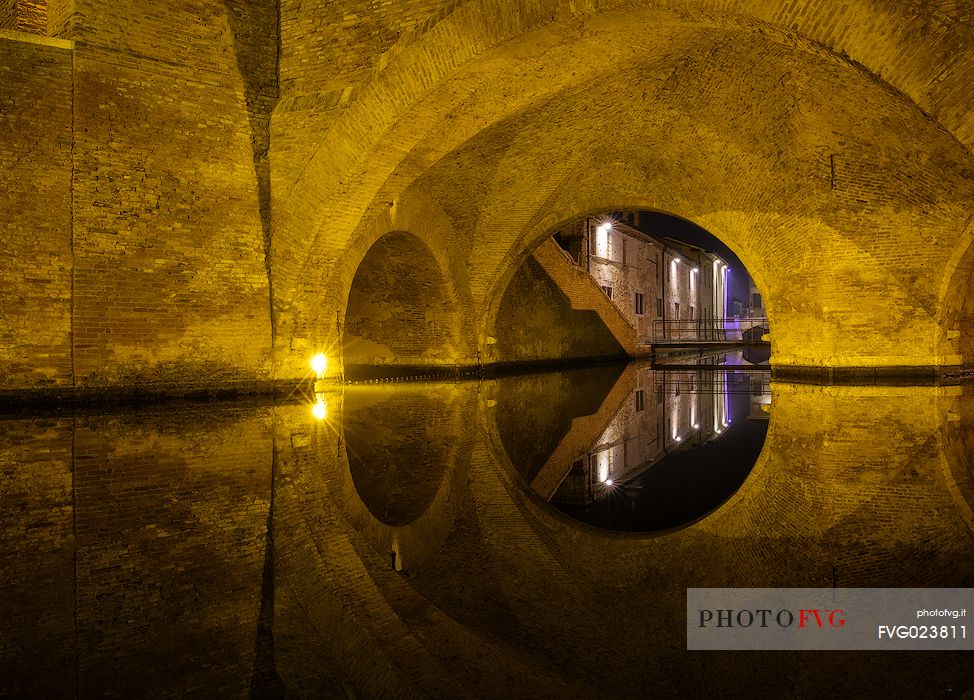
(643, 447)
(401, 314)
(626, 283)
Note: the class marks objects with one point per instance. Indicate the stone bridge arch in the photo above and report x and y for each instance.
(478, 67)
(400, 309)
(397, 298)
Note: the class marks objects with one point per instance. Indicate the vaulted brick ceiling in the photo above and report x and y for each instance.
(844, 198)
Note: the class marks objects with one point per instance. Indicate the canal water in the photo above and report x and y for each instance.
(527, 536)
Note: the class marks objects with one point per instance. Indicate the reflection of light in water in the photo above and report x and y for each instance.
(320, 407)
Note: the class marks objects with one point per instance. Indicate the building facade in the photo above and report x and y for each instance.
(667, 289)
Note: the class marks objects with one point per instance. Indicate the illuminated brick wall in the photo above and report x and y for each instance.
(141, 260)
(24, 16)
(170, 278)
(35, 212)
(537, 321)
(834, 158)
(625, 261)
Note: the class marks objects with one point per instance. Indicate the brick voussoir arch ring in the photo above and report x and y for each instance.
(955, 292)
(422, 223)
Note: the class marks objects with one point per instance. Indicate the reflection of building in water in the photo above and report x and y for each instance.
(667, 412)
(760, 403)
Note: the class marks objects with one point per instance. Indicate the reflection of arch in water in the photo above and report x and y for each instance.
(957, 433)
(396, 482)
(789, 524)
(332, 620)
(541, 484)
(849, 477)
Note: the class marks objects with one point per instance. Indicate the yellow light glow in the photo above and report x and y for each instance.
(319, 363)
(320, 409)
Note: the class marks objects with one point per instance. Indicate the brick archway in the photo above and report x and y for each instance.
(400, 309)
(737, 135)
(429, 88)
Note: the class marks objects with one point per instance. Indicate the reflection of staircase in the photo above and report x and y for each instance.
(581, 436)
(583, 293)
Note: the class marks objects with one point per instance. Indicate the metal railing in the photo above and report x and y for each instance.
(708, 330)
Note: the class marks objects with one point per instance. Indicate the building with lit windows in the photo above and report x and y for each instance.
(666, 289)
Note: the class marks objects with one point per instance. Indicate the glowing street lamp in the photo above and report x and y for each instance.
(319, 364)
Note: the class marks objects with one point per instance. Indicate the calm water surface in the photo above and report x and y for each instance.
(464, 540)
(640, 450)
